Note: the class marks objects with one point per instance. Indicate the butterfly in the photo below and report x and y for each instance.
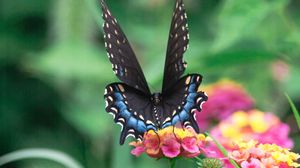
(131, 103)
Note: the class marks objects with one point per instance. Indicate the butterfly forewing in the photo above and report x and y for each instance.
(177, 45)
(120, 53)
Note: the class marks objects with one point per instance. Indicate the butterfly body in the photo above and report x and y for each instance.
(131, 103)
(156, 98)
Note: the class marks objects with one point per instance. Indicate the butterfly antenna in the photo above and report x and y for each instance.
(183, 127)
(157, 137)
(175, 134)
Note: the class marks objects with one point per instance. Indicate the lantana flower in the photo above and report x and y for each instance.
(263, 127)
(170, 142)
(225, 97)
(260, 155)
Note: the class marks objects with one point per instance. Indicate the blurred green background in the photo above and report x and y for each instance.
(53, 67)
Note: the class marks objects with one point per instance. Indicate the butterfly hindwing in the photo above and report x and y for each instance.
(130, 108)
(177, 45)
(183, 101)
(120, 53)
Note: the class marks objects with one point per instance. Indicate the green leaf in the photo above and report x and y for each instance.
(294, 109)
(238, 18)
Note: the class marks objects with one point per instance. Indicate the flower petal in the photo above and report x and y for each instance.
(170, 148)
(137, 151)
(190, 144)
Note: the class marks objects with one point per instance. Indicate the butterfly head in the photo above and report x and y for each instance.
(156, 98)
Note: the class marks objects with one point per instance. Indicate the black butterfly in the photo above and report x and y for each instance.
(131, 103)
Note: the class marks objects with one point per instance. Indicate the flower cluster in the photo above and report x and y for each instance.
(170, 142)
(253, 139)
(225, 97)
(260, 126)
(252, 154)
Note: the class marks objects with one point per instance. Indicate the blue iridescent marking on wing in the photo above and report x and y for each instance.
(188, 106)
(166, 124)
(190, 97)
(131, 121)
(151, 127)
(184, 114)
(175, 119)
(119, 97)
(126, 114)
(121, 105)
(192, 88)
(141, 127)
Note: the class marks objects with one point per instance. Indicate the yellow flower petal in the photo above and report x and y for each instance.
(257, 122)
(229, 131)
(240, 119)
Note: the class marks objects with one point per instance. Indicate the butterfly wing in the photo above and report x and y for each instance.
(120, 53)
(177, 45)
(130, 108)
(182, 102)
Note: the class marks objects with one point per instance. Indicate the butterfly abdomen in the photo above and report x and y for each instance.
(156, 100)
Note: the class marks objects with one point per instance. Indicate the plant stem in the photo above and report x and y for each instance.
(223, 150)
(172, 162)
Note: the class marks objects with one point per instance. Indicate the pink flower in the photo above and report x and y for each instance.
(239, 156)
(170, 142)
(190, 144)
(225, 97)
(170, 148)
(252, 154)
(284, 165)
(152, 144)
(256, 152)
(272, 136)
(254, 163)
(138, 151)
(268, 162)
(252, 125)
(192, 147)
